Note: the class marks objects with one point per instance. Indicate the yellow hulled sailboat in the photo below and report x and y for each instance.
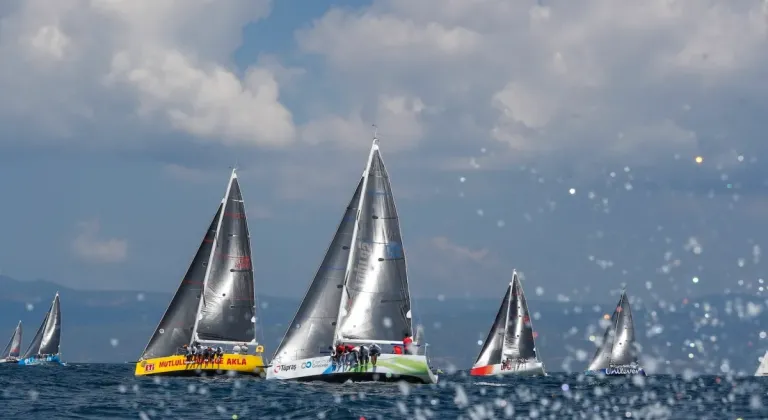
(214, 307)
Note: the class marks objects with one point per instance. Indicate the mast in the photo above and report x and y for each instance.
(506, 319)
(210, 258)
(616, 325)
(353, 247)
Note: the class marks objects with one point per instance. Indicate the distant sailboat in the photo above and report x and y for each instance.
(762, 370)
(509, 348)
(359, 296)
(214, 304)
(617, 354)
(13, 349)
(44, 348)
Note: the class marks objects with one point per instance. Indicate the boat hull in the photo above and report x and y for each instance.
(9, 361)
(389, 368)
(245, 364)
(527, 368)
(47, 360)
(617, 371)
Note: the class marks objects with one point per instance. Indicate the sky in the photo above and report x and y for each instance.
(557, 138)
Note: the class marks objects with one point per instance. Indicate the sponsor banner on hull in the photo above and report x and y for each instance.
(527, 368)
(228, 362)
(618, 371)
(32, 361)
(411, 365)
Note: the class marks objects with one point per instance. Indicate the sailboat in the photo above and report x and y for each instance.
(358, 297)
(13, 349)
(617, 355)
(762, 370)
(214, 306)
(509, 348)
(44, 348)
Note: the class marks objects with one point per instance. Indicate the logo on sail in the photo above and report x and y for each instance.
(243, 263)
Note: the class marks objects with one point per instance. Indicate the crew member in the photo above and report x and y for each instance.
(334, 356)
(187, 353)
(195, 352)
(219, 353)
(364, 354)
(407, 341)
(375, 352)
(350, 352)
(397, 349)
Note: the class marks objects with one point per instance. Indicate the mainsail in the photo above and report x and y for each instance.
(511, 335)
(618, 343)
(48, 336)
(175, 328)
(14, 346)
(762, 370)
(227, 312)
(375, 304)
(311, 331)
(518, 339)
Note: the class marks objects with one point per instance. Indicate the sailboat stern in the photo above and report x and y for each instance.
(178, 365)
(388, 368)
(530, 367)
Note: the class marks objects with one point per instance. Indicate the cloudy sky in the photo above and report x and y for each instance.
(556, 137)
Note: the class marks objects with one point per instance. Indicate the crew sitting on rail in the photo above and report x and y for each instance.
(407, 341)
(349, 350)
(375, 351)
(364, 354)
(219, 353)
(334, 355)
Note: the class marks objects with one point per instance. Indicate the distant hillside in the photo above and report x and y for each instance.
(716, 330)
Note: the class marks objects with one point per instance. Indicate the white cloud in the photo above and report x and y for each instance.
(398, 116)
(459, 252)
(74, 62)
(606, 76)
(88, 246)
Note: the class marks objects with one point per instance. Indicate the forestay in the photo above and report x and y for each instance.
(175, 328)
(491, 352)
(311, 331)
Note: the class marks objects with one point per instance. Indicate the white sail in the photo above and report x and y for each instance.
(762, 370)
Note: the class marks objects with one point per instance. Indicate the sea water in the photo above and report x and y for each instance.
(100, 391)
